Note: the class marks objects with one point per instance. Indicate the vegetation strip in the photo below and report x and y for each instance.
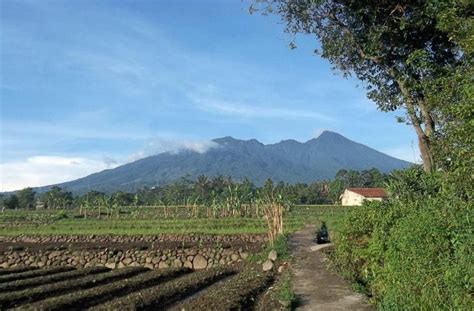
(167, 293)
(237, 293)
(94, 296)
(152, 224)
(12, 299)
(22, 284)
(33, 273)
(16, 270)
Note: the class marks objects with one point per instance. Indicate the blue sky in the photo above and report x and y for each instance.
(87, 85)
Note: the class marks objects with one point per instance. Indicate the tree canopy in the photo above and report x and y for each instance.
(26, 198)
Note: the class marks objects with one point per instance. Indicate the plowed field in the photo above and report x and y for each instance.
(137, 288)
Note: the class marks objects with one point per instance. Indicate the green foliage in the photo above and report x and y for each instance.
(61, 215)
(414, 251)
(223, 196)
(410, 184)
(283, 290)
(26, 198)
(57, 198)
(280, 245)
(151, 222)
(220, 192)
(11, 202)
(454, 143)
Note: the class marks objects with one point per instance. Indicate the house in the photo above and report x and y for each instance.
(40, 205)
(355, 196)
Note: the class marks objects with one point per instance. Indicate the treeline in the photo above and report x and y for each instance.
(202, 191)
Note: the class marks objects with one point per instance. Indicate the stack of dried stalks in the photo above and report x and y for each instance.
(273, 214)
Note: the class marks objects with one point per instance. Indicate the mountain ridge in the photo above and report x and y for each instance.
(288, 160)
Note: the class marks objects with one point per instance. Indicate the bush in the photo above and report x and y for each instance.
(61, 215)
(414, 251)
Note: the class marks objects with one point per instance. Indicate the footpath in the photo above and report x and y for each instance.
(316, 287)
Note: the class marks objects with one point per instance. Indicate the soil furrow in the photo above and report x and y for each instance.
(26, 296)
(237, 293)
(16, 270)
(48, 279)
(33, 274)
(100, 294)
(162, 295)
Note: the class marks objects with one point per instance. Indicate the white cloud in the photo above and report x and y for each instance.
(159, 145)
(42, 170)
(46, 170)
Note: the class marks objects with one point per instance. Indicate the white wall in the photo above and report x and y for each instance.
(355, 199)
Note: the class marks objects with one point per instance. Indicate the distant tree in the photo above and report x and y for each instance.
(94, 195)
(398, 48)
(371, 178)
(220, 183)
(26, 198)
(336, 188)
(57, 198)
(125, 199)
(202, 188)
(11, 202)
(268, 188)
(248, 190)
(2, 202)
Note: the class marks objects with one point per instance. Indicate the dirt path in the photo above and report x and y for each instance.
(316, 287)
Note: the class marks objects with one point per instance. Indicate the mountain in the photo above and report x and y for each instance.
(289, 160)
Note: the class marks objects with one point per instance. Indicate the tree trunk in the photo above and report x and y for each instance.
(424, 142)
(426, 152)
(424, 135)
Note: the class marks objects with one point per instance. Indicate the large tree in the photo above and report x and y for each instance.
(10, 202)
(57, 198)
(455, 141)
(396, 47)
(26, 198)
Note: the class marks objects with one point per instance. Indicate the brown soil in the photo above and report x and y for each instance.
(248, 242)
(316, 287)
(164, 294)
(238, 292)
(235, 287)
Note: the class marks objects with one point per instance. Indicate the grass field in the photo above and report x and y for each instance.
(149, 221)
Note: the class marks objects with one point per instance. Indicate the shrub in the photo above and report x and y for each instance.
(414, 251)
(427, 261)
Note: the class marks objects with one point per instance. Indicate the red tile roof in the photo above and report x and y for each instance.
(370, 192)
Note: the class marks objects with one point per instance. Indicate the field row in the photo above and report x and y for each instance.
(134, 288)
(14, 223)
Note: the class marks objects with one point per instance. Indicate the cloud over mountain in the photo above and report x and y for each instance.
(159, 145)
